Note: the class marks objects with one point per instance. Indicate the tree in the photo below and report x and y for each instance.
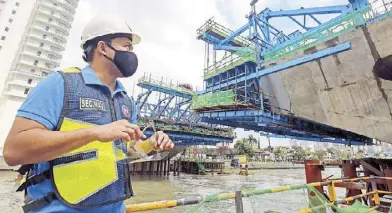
(380, 155)
(344, 154)
(243, 147)
(280, 152)
(299, 153)
(320, 155)
(252, 140)
(360, 154)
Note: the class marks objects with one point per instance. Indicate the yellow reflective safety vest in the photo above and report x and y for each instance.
(96, 174)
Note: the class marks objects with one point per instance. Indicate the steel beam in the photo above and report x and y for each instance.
(165, 90)
(192, 138)
(298, 127)
(278, 131)
(148, 109)
(317, 139)
(343, 9)
(145, 99)
(298, 61)
(315, 19)
(299, 23)
(165, 107)
(183, 113)
(235, 34)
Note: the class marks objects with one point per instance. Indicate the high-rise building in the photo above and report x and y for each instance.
(33, 35)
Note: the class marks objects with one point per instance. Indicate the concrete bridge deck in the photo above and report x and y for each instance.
(341, 90)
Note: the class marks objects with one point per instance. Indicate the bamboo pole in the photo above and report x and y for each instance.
(213, 197)
(249, 193)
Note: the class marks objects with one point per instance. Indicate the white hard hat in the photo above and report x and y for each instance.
(106, 25)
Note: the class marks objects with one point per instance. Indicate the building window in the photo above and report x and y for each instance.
(55, 4)
(6, 29)
(32, 70)
(47, 28)
(49, 65)
(44, 36)
(29, 81)
(26, 91)
(17, 4)
(50, 19)
(53, 57)
(3, 38)
(39, 53)
(57, 40)
(10, 20)
(35, 62)
(55, 48)
(44, 73)
(13, 12)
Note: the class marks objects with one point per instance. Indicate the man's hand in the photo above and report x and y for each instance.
(118, 130)
(163, 141)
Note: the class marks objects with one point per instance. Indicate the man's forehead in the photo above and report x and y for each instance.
(123, 40)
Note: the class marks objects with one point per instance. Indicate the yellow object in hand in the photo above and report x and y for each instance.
(141, 149)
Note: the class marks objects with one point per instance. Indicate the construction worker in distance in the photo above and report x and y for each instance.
(71, 132)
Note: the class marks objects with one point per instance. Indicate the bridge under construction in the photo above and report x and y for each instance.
(326, 81)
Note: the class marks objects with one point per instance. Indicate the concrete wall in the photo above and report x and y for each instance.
(342, 90)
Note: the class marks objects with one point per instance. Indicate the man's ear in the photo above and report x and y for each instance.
(101, 48)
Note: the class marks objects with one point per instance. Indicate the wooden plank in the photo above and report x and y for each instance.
(388, 173)
(350, 185)
(372, 169)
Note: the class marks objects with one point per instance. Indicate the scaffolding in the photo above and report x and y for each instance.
(148, 80)
(211, 27)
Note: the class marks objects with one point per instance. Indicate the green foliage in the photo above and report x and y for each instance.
(280, 152)
(244, 147)
(320, 155)
(342, 154)
(300, 153)
(360, 154)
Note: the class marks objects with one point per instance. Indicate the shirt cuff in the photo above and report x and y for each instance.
(37, 118)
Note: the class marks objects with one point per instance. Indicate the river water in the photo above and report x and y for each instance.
(155, 188)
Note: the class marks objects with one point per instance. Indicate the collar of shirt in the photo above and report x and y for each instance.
(91, 78)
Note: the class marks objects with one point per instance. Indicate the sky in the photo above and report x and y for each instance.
(169, 47)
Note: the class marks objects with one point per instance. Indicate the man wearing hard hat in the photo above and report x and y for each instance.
(70, 134)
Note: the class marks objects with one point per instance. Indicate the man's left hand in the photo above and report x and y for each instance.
(163, 141)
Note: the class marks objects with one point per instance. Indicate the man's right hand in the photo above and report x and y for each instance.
(121, 129)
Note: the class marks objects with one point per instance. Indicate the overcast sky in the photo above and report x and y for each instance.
(168, 29)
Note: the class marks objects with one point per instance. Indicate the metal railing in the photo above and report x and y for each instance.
(217, 132)
(161, 83)
(379, 8)
(225, 99)
(40, 75)
(374, 194)
(227, 63)
(212, 25)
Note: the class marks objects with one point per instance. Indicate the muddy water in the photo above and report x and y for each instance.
(153, 189)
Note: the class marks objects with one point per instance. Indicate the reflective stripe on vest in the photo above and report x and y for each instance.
(96, 174)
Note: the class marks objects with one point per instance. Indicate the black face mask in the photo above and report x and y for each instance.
(125, 61)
